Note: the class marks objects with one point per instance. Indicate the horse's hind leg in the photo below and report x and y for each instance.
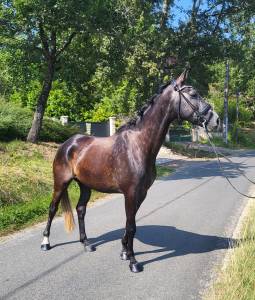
(85, 194)
(60, 190)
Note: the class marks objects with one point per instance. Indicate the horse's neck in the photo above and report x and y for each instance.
(156, 122)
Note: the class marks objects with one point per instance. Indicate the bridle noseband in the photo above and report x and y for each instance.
(199, 116)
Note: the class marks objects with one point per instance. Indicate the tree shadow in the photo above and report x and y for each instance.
(199, 170)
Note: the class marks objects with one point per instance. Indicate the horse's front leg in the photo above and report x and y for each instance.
(133, 201)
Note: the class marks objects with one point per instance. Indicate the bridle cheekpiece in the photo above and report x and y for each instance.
(199, 116)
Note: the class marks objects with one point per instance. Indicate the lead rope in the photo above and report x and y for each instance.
(222, 169)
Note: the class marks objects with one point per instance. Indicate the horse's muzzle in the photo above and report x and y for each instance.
(213, 122)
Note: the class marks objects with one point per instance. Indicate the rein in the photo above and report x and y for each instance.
(229, 160)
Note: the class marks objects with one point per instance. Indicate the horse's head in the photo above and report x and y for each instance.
(192, 107)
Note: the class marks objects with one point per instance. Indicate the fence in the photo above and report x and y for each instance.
(101, 129)
(195, 134)
(179, 134)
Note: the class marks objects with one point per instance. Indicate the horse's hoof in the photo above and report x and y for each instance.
(89, 248)
(135, 268)
(123, 255)
(45, 247)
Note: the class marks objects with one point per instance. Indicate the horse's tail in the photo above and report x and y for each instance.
(68, 212)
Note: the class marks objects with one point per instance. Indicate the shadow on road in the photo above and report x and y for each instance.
(170, 241)
(167, 240)
(198, 170)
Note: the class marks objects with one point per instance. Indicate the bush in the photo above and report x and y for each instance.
(245, 114)
(15, 122)
(53, 131)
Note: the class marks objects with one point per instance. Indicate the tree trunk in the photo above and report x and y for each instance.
(34, 132)
(226, 84)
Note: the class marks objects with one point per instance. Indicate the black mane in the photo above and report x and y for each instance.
(134, 121)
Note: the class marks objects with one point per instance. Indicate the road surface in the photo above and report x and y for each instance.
(183, 230)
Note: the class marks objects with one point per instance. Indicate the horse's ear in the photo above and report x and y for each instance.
(183, 77)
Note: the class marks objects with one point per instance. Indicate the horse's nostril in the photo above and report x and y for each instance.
(218, 121)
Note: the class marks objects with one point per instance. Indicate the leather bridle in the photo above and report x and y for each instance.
(199, 116)
(201, 120)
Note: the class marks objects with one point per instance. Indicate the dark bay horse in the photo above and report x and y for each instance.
(125, 162)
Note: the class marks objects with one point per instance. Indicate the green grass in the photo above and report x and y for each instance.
(184, 149)
(246, 139)
(237, 281)
(164, 170)
(26, 184)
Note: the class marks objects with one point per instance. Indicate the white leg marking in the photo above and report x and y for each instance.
(45, 241)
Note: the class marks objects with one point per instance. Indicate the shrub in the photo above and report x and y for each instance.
(53, 131)
(15, 122)
(245, 114)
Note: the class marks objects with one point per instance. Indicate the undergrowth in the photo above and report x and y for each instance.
(237, 138)
(15, 122)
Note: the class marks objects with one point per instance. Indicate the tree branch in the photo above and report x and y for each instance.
(67, 43)
(44, 40)
(219, 18)
(229, 11)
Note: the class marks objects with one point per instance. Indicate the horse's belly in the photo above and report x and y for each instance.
(101, 180)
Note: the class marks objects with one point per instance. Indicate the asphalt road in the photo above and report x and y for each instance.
(183, 230)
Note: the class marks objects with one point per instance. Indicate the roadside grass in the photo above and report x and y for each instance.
(185, 150)
(245, 139)
(164, 170)
(26, 184)
(237, 280)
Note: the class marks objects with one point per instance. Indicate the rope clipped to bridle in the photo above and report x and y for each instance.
(229, 160)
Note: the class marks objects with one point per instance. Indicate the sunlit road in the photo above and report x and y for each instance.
(183, 230)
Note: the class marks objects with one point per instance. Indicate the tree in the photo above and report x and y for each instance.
(108, 57)
(47, 28)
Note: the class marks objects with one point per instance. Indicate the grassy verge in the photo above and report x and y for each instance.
(26, 184)
(237, 280)
(245, 139)
(185, 150)
(164, 170)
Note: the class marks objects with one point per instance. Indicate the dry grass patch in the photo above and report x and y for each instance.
(237, 280)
